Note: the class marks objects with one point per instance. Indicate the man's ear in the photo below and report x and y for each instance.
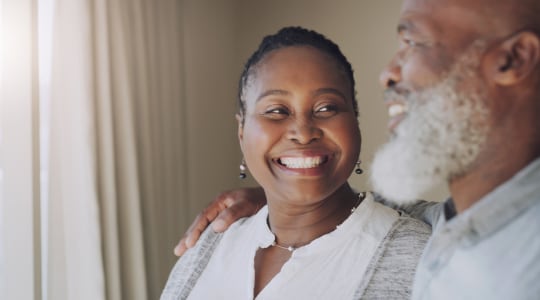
(514, 59)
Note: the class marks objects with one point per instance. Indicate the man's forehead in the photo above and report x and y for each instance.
(417, 21)
(440, 16)
(416, 5)
(436, 5)
(452, 8)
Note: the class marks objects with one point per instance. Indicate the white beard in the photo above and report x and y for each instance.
(439, 140)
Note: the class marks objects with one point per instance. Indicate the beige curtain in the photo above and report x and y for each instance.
(117, 173)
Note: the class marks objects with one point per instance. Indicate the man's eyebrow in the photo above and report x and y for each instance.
(406, 25)
(403, 27)
(272, 93)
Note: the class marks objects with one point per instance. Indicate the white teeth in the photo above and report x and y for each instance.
(396, 109)
(301, 162)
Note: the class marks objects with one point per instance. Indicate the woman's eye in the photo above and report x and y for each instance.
(276, 113)
(326, 111)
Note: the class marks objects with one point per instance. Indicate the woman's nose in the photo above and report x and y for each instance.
(304, 131)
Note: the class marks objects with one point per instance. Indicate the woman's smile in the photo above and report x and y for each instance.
(306, 162)
(310, 164)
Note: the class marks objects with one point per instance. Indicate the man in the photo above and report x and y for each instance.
(463, 92)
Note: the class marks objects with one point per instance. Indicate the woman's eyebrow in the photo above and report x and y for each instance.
(315, 93)
(333, 91)
(273, 93)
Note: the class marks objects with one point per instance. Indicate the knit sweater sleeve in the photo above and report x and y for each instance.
(391, 272)
(426, 211)
(190, 266)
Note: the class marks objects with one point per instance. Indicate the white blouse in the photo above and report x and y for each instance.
(330, 267)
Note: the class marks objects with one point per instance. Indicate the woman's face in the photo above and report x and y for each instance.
(300, 137)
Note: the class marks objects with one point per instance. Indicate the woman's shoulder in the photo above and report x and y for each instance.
(407, 227)
(391, 271)
(189, 266)
(407, 236)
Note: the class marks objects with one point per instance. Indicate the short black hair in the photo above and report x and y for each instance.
(294, 36)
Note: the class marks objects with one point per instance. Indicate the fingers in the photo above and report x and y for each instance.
(239, 204)
(228, 207)
(190, 237)
(181, 248)
(198, 226)
(230, 215)
(196, 229)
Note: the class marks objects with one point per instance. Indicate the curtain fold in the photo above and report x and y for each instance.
(117, 172)
(119, 197)
(74, 244)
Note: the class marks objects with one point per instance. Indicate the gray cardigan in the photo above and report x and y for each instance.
(389, 275)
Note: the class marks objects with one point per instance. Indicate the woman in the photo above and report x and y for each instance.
(316, 238)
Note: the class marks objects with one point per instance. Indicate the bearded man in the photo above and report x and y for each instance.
(463, 92)
(463, 95)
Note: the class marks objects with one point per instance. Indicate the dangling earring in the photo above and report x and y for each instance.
(358, 170)
(243, 169)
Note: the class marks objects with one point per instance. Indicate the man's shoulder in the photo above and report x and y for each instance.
(521, 231)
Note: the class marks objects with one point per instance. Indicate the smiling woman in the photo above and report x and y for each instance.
(298, 131)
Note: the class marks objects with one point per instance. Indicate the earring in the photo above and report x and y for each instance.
(243, 168)
(358, 170)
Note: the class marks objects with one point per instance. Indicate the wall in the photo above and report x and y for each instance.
(211, 68)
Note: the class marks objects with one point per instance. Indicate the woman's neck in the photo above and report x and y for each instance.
(297, 225)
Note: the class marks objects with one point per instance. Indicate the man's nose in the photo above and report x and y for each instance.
(304, 131)
(391, 74)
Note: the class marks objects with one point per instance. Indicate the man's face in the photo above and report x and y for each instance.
(435, 98)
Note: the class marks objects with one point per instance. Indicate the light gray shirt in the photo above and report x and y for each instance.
(490, 251)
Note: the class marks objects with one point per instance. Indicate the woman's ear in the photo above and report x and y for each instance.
(240, 121)
(514, 59)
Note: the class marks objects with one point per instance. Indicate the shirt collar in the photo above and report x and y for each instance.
(500, 206)
(365, 219)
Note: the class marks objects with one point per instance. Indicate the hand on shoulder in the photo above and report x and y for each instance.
(226, 208)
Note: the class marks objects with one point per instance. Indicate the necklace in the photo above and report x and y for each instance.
(360, 197)
(289, 248)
